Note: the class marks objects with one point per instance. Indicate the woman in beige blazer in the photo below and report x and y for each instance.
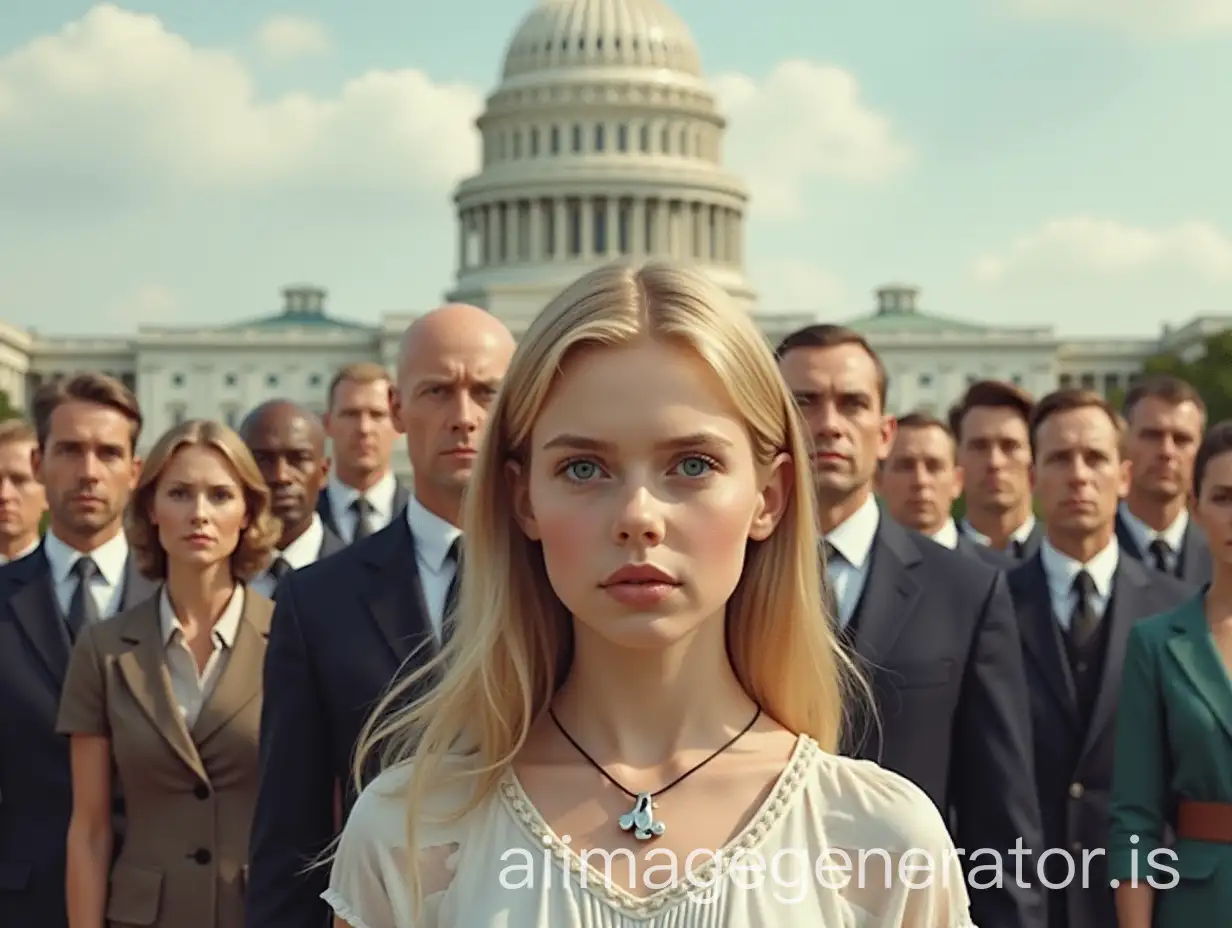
(168, 696)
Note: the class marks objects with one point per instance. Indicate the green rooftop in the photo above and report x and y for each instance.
(303, 306)
(897, 311)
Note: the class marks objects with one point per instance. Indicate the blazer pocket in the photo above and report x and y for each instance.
(135, 896)
(909, 674)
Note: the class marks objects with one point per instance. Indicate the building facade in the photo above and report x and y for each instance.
(602, 140)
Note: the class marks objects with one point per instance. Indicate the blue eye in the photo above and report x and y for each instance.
(581, 470)
(694, 466)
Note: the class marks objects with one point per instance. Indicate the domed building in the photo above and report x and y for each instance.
(601, 140)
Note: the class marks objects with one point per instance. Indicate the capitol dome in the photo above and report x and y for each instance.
(602, 140)
(602, 33)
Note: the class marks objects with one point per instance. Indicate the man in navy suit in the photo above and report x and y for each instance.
(87, 429)
(933, 629)
(346, 625)
(989, 425)
(1165, 419)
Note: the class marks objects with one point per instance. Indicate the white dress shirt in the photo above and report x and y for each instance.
(107, 588)
(1143, 535)
(1020, 534)
(434, 537)
(380, 497)
(853, 541)
(947, 535)
(1061, 569)
(303, 551)
(189, 686)
(30, 549)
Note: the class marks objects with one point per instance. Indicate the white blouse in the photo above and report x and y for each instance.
(838, 842)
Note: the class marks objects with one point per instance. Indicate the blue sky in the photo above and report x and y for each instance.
(1061, 162)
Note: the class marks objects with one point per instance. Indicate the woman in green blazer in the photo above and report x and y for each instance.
(1170, 840)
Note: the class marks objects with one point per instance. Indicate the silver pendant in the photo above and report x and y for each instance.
(640, 819)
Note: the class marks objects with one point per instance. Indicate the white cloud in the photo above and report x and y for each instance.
(1147, 18)
(115, 105)
(803, 122)
(287, 38)
(1088, 275)
(1104, 248)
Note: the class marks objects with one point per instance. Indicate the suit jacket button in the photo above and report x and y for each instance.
(1075, 791)
(201, 791)
(202, 856)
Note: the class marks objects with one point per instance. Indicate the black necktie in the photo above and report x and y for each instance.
(82, 609)
(1015, 549)
(361, 507)
(1085, 619)
(451, 595)
(1161, 553)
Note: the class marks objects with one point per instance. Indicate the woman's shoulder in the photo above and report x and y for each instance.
(123, 630)
(866, 805)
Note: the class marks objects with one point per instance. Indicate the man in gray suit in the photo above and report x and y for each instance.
(87, 430)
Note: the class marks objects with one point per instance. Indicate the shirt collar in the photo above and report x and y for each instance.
(111, 557)
(1020, 534)
(947, 535)
(304, 549)
(225, 629)
(1143, 534)
(853, 537)
(1061, 569)
(380, 495)
(433, 535)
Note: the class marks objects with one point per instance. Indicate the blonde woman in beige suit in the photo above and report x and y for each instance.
(168, 696)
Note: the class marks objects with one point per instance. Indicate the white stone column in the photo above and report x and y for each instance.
(535, 252)
(739, 245)
(464, 218)
(560, 229)
(637, 226)
(665, 244)
(586, 214)
(612, 240)
(705, 213)
(493, 237)
(511, 231)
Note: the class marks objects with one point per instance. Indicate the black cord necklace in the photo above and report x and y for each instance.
(641, 819)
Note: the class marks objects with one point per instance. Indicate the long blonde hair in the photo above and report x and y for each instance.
(513, 637)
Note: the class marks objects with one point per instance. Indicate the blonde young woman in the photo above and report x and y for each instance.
(168, 695)
(635, 720)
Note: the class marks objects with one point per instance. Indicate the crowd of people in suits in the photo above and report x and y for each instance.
(191, 651)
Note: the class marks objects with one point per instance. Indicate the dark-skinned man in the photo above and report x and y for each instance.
(288, 443)
(933, 629)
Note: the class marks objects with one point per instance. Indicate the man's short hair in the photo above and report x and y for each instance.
(17, 430)
(991, 394)
(1172, 390)
(87, 387)
(360, 372)
(1067, 400)
(826, 335)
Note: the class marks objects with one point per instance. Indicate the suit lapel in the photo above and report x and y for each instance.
(144, 669)
(1195, 556)
(1194, 652)
(890, 592)
(1126, 539)
(1042, 636)
(240, 681)
(395, 594)
(1031, 544)
(34, 605)
(330, 543)
(326, 512)
(1130, 594)
(401, 497)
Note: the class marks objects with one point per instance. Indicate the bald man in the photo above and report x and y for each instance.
(288, 443)
(345, 626)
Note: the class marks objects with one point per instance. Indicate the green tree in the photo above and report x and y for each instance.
(1210, 374)
(7, 410)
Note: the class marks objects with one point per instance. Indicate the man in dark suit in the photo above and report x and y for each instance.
(344, 627)
(919, 482)
(1165, 419)
(1076, 601)
(22, 498)
(87, 430)
(288, 443)
(361, 496)
(933, 629)
(989, 425)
